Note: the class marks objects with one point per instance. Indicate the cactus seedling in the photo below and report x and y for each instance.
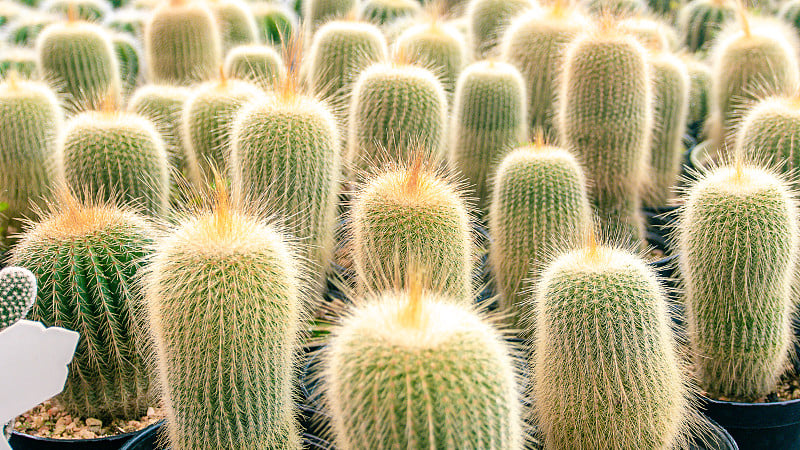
(258, 64)
(488, 20)
(702, 20)
(17, 294)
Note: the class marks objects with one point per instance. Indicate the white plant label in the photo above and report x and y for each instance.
(33, 367)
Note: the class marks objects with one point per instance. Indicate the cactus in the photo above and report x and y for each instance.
(384, 12)
(539, 208)
(182, 43)
(751, 61)
(88, 10)
(341, 50)
(488, 121)
(415, 370)
(702, 20)
(738, 241)
(393, 108)
(790, 12)
(488, 20)
(78, 59)
(236, 23)
(258, 64)
(17, 294)
(28, 155)
(127, 51)
(317, 12)
(128, 20)
(438, 47)
(275, 22)
(24, 30)
(225, 314)
(622, 387)
(207, 119)
(411, 215)
(699, 92)
(670, 109)
(20, 60)
(10, 10)
(650, 33)
(116, 156)
(617, 8)
(535, 44)
(87, 260)
(605, 117)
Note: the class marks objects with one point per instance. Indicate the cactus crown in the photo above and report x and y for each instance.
(17, 294)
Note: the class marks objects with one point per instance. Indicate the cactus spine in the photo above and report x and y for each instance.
(488, 121)
(87, 259)
(702, 20)
(771, 132)
(738, 241)
(437, 46)
(539, 208)
(260, 65)
(622, 387)
(237, 26)
(606, 116)
(414, 370)
(488, 20)
(17, 294)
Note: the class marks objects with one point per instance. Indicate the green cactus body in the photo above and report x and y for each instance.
(237, 26)
(182, 43)
(207, 119)
(79, 60)
(28, 155)
(257, 64)
(749, 64)
(606, 117)
(225, 315)
(395, 108)
(17, 294)
(340, 52)
(275, 22)
(539, 208)
(411, 217)
(702, 20)
(129, 59)
(438, 376)
(622, 387)
(24, 30)
(88, 10)
(128, 20)
(286, 154)
(384, 12)
(699, 92)
(650, 33)
(116, 156)
(488, 121)
(535, 44)
(438, 47)
(738, 241)
(21, 60)
(670, 109)
(317, 12)
(87, 260)
(488, 20)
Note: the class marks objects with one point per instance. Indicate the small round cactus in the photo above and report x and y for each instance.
(770, 132)
(436, 46)
(488, 20)
(237, 25)
(275, 22)
(738, 245)
(416, 370)
(17, 294)
(260, 65)
(384, 12)
(317, 12)
(701, 21)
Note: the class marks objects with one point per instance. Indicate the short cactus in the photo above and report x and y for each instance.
(237, 25)
(20, 60)
(539, 208)
(260, 65)
(222, 295)
(415, 370)
(489, 119)
(116, 157)
(275, 22)
(738, 245)
(182, 43)
(17, 294)
(384, 12)
(87, 260)
(24, 30)
(129, 60)
(317, 12)
(605, 117)
(699, 93)
(701, 21)
(78, 59)
(436, 46)
(488, 20)
(411, 216)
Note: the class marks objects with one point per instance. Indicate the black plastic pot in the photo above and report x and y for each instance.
(758, 426)
(20, 441)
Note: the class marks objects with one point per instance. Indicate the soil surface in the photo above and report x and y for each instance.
(788, 389)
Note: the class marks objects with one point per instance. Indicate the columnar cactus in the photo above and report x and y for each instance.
(384, 12)
(182, 43)
(129, 59)
(410, 216)
(207, 119)
(260, 65)
(622, 387)
(116, 157)
(78, 59)
(317, 12)
(770, 132)
(438, 47)
(738, 241)
(87, 260)
(539, 208)
(32, 121)
(236, 23)
(221, 291)
(17, 294)
(699, 92)
(488, 20)
(535, 44)
(701, 21)
(394, 108)
(606, 117)
(275, 22)
(488, 121)
(670, 109)
(415, 370)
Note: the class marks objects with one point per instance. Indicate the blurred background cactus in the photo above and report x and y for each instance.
(701, 20)
(260, 65)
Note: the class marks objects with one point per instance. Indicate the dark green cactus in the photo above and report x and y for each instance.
(17, 294)
(129, 60)
(237, 26)
(275, 22)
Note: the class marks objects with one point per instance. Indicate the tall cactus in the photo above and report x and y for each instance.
(489, 119)
(701, 21)
(623, 386)
(437, 46)
(222, 295)
(260, 65)
(17, 294)
(488, 20)
(414, 370)
(87, 260)
(237, 25)
(738, 241)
